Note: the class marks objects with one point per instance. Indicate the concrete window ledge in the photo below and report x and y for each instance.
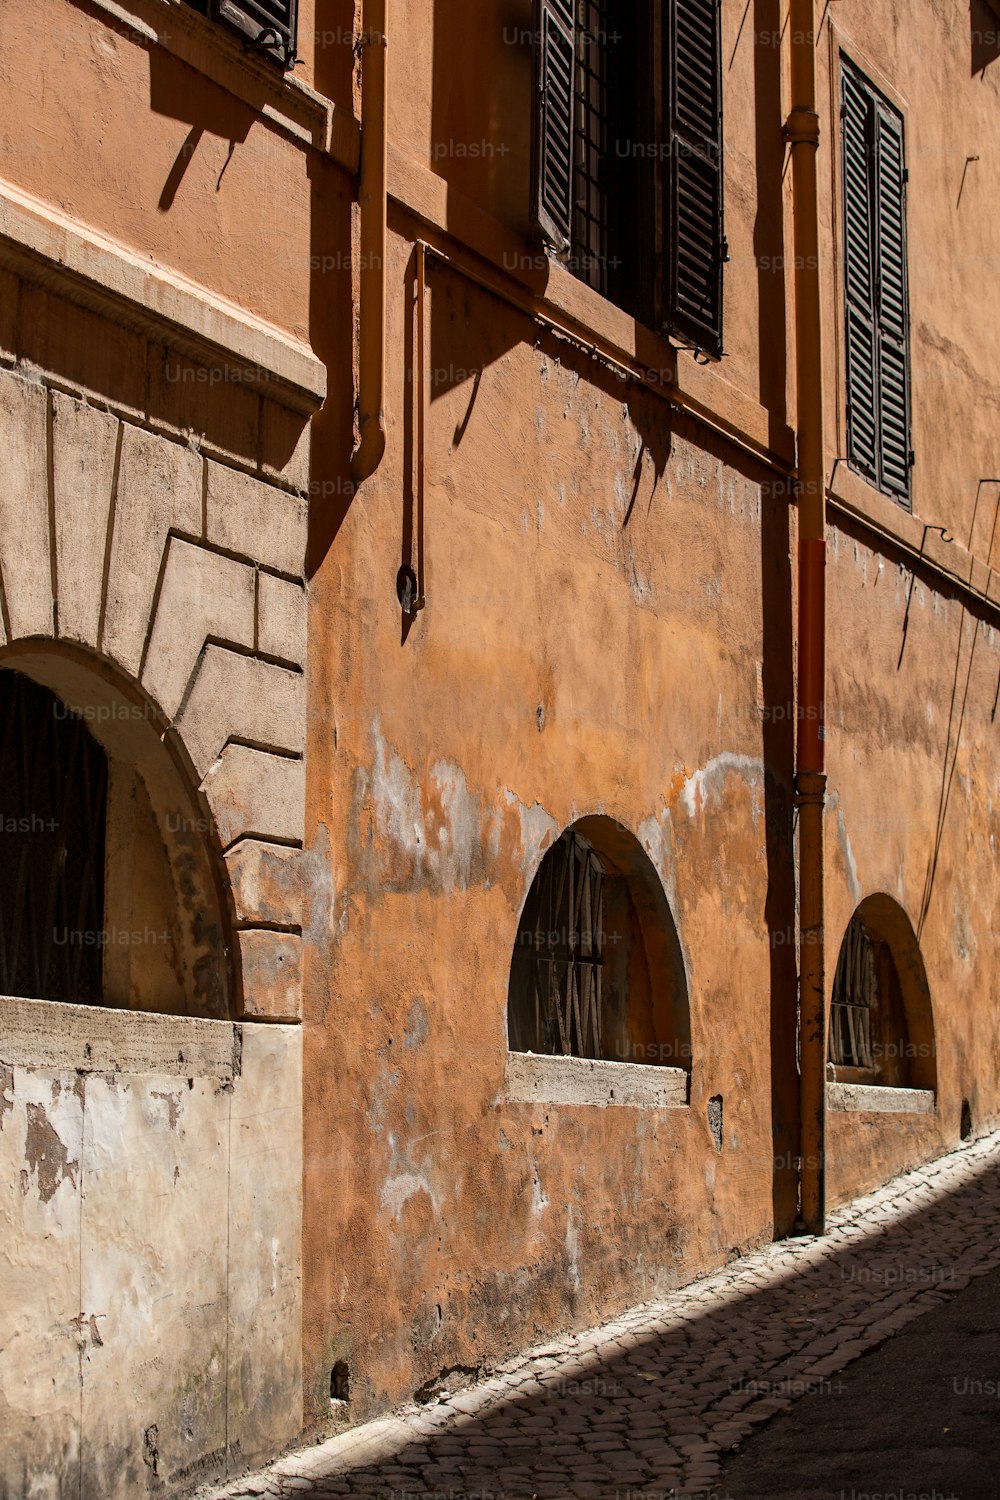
(95, 1039)
(872, 1098)
(533, 1079)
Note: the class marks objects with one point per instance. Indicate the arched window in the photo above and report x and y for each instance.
(54, 780)
(597, 970)
(558, 997)
(109, 893)
(881, 1027)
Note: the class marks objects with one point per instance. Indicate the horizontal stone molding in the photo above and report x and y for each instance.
(41, 245)
(95, 1039)
(872, 1098)
(532, 1079)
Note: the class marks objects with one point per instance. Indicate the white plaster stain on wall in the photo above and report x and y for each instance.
(458, 837)
(705, 785)
(400, 1189)
(396, 796)
(538, 829)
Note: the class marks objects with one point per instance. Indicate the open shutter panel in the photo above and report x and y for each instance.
(859, 278)
(270, 24)
(694, 83)
(555, 61)
(893, 362)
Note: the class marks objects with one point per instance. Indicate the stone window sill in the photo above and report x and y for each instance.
(533, 1079)
(872, 1098)
(94, 1039)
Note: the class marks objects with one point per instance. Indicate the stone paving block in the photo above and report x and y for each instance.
(677, 1428)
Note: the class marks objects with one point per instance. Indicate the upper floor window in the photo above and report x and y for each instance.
(877, 334)
(270, 25)
(628, 155)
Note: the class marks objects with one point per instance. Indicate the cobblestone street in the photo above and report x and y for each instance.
(648, 1405)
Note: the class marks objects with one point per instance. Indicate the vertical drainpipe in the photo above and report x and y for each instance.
(802, 132)
(372, 202)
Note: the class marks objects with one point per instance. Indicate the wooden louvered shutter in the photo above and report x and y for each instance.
(878, 425)
(552, 139)
(694, 118)
(859, 277)
(271, 25)
(890, 306)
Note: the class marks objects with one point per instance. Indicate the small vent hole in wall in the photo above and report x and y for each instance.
(966, 1120)
(715, 1119)
(340, 1382)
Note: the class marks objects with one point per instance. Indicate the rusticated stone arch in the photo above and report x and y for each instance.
(644, 1004)
(178, 580)
(880, 966)
(165, 938)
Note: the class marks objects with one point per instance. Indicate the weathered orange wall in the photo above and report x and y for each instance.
(650, 623)
(608, 627)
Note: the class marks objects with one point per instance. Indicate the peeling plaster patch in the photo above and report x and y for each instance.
(846, 849)
(656, 837)
(319, 890)
(459, 839)
(962, 935)
(173, 1103)
(538, 1199)
(438, 831)
(416, 1024)
(6, 1087)
(398, 1190)
(397, 798)
(572, 1252)
(46, 1156)
(538, 830)
(707, 782)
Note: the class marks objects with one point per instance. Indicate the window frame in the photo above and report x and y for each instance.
(650, 287)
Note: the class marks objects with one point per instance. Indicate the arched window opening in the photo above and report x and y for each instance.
(109, 893)
(54, 777)
(881, 1028)
(597, 970)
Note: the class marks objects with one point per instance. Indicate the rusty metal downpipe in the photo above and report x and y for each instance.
(372, 200)
(803, 133)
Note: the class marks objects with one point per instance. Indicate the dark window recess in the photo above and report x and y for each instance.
(270, 25)
(628, 160)
(877, 333)
(868, 1033)
(53, 790)
(556, 1004)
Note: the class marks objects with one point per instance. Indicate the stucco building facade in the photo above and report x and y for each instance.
(399, 674)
